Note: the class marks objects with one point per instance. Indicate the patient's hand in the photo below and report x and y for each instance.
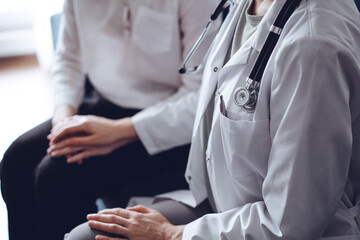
(61, 113)
(80, 137)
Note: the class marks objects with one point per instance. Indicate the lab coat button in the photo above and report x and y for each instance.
(215, 69)
(189, 178)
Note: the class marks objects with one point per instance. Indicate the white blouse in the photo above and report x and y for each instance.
(131, 50)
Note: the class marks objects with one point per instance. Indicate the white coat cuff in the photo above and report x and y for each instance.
(139, 122)
(189, 230)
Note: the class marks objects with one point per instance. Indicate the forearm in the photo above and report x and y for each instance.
(67, 73)
(62, 112)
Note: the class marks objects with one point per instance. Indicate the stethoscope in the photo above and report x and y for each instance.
(246, 97)
(218, 10)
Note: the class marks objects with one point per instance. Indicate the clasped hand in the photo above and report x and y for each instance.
(80, 137)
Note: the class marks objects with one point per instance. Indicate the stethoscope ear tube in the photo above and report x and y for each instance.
(183, 68)
(218, 10)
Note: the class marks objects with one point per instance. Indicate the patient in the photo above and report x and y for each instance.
(130, 50)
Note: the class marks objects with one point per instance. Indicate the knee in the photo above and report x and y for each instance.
(14, 170)
(25, 152)
(81, 232)
(13, 164)
(48, 174)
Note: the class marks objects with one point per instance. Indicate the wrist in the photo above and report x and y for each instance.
(62, 112)
(174, 232)
(125, 129)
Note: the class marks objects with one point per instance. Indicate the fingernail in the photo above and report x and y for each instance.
(53, 154)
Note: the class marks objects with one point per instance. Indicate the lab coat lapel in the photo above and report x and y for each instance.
(196, 164)
(254, 43)
(221, 46)
(216, 60)
(196, 170)
(263, 30)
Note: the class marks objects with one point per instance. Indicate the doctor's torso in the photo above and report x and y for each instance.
(271, 161)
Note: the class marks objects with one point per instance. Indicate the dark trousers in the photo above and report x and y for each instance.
(53, 197)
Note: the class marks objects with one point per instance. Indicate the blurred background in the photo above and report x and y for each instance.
(26, 53)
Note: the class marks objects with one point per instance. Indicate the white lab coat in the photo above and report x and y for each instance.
(290, 170)
(282, 172)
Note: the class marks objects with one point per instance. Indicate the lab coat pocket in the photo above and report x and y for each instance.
(152, 31)
(246, 146)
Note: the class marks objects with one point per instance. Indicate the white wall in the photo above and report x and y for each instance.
(42, 30)
(25, 28)
(16, 36)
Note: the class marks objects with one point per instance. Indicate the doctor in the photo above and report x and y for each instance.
(289, 169)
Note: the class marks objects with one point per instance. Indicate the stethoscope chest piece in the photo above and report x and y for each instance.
(241, 96)
(245, 98)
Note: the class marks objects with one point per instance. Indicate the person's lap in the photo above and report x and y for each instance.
(72, 187)
(177, 213)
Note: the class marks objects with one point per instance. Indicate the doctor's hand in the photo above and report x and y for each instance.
(135, 223)
(80, 137)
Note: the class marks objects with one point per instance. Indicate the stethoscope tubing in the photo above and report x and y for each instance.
(246, 97)
(218, 10)
(272, 39)
(183, 69)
